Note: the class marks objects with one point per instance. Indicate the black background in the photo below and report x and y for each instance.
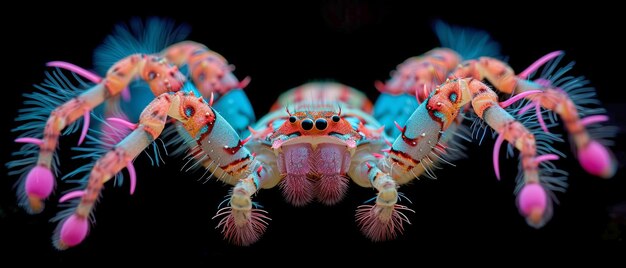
(282, 46)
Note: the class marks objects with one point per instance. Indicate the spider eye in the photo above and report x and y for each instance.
(321, 124)
(452, 97)
(307, 124)
(292, 119)
(189, 111)
(335, 118)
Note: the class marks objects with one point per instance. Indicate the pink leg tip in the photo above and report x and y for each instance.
(495, 155)
(39, 182)
(244, 83)
(597, 160)
(537, 64)
(532, 200)
(71, 195)
(29, 140)
(74, 231)
(133, 176)
(380, 86)
(83, 133)
(73, 68)
(518, 97)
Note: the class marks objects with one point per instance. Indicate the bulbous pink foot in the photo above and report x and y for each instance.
(597, 160)
(73, 232)
(38, 186)
(532, 203)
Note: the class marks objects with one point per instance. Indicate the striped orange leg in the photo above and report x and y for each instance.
(74, 226)
(409, 154)
(211, 132)
(222, 153)
(162, 77)
(242, 223)
(533, 200)
(216, 146)
(384, 219)
(551, 93)
(209, 70)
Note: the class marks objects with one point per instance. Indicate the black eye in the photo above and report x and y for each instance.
(335, 118)
(292, 119)
(151, 75)
(307, 124)
(321, 123)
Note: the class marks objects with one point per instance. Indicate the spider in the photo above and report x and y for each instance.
(316, 138)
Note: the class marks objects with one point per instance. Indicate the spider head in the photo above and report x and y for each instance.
(315, 127)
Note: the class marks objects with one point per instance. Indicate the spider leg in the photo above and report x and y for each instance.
(38, 183)
(73, 226)
(553, 90)
(411, 153)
